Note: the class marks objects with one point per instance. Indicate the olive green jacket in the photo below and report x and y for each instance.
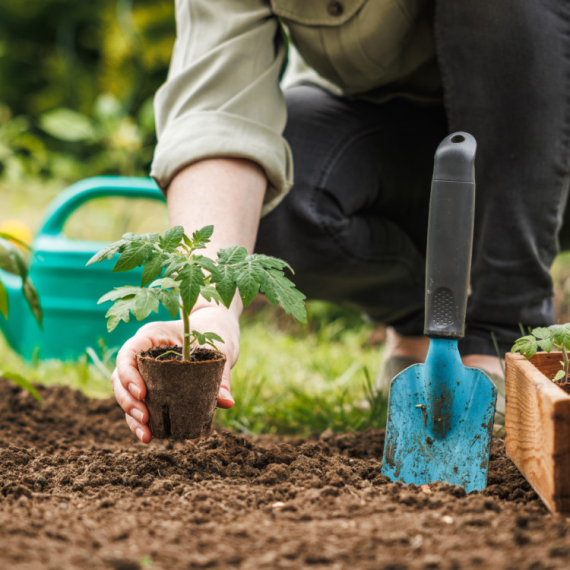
(223, 96)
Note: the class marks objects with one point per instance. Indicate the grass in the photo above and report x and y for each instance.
(287, 381)
(305, 382)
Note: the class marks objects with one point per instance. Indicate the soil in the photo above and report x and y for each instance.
(565, 386)
(77, 491)
(199, 355)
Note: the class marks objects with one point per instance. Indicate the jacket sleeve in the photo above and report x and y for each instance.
(222, 97)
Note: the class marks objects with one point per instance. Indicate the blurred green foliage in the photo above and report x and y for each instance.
(76, 85)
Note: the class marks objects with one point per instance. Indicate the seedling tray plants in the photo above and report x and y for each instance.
(537, 415)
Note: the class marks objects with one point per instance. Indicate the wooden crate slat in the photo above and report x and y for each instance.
(538, 427)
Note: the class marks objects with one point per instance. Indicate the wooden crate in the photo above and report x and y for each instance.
(537, 422)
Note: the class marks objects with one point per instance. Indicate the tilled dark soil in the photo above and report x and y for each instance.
(76, 491)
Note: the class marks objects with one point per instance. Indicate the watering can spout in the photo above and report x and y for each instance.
(12, 328)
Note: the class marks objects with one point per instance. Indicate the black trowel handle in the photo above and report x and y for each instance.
(450, 236)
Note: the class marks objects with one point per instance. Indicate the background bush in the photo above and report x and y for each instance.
(76, 85)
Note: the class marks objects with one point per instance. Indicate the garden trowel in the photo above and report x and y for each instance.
(440, 414)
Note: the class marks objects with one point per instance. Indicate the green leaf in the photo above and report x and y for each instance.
(526, 345)
(560, 335)
(225, 280)
(191, 281)
(153, 268)
(12, 259)
(109, 251)
(22, 382)
(165, 283)
(174, 265)
(545, 344)
(119, 312)
(206, 263)
(172, 238)
(201, 237)
(249, 276)
(268, 262)
(231, 255)
(542, 333)
(145, 303)
(3, 300)
(170, 302)
(210, 294)
(33, 300)
(559, 375)
(199, 337)
(15, 240)
(207, 338)
(119, 293)
(214, 336)
(108, 108)
(134, 255)
(68, 125)
(279, 289)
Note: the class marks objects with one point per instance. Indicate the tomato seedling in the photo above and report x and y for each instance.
(176, 275)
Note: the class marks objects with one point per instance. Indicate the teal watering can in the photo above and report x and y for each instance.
(69, 290)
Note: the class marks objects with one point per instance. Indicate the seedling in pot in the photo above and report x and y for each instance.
(183, 382)
(553, 338)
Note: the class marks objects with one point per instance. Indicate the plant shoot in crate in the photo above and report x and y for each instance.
(555, 337)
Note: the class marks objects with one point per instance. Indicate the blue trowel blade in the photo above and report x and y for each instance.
(440, 421)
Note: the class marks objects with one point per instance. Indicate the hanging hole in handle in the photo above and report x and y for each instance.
(458, 139)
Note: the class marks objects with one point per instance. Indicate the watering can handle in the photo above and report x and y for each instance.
(98, 187)
(450, 237)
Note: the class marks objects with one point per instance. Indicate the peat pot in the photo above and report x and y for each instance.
(537, 422)
(181, 395)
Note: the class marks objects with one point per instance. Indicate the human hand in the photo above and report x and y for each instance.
(129, 387)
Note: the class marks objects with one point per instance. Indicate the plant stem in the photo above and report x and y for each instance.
(565, 358)
(186, 346)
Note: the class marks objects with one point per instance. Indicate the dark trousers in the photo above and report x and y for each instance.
(354, 225)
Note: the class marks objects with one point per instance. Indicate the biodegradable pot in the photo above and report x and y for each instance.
(537, 422)
(181, 395)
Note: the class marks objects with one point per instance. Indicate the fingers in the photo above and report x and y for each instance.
(225, 399)
(134, 408)
(128, 384)
(140, 431)
(148, 336)
(128, 373)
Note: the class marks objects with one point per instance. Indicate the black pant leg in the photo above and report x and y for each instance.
(353, 226)
(505, 67)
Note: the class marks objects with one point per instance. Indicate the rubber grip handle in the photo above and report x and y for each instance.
(91, 188)
(450, 237)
